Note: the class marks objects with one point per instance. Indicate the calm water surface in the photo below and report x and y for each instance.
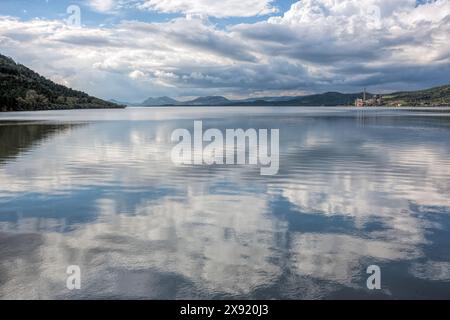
(98, 189)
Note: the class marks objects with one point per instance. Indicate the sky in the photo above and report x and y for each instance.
(130, 50)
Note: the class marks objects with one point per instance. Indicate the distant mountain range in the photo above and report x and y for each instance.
(438, 96)
(326, 99)
(22, 89)
(161, 101)
(201, 101)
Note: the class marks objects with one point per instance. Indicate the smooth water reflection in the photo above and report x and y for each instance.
(97, 189)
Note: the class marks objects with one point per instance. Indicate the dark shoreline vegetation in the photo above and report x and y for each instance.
(22, 89)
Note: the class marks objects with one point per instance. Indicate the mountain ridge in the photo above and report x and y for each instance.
(436, 96)
(159, 101)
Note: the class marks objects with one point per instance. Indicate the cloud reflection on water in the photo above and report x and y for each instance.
(105, 196)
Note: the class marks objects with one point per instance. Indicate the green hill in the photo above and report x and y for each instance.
(324, 99)
(22, 89)
(438, 96)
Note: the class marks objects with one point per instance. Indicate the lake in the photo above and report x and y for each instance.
(97, 189)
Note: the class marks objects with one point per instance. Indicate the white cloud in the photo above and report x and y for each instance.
(221, 9)
(102, 5)
(136, 74)
(360, 42)
(202, 8)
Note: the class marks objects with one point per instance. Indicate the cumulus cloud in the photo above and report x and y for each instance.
(202, 8)
(369, 37)
(102, 5)
(221, 9)
(136, 74)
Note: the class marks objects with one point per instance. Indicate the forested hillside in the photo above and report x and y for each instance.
(22, 89)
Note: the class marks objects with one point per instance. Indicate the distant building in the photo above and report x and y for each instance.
(376, 100)
(359, 103)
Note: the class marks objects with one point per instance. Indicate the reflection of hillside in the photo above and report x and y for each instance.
(16, 138)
